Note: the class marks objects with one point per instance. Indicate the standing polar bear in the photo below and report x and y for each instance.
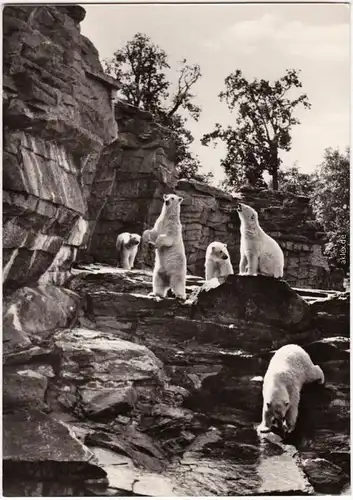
(289, 369)
(170, 262)
(259, 253)
(217, 261)
(127, 245)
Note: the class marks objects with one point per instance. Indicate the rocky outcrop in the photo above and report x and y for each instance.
(167, 394)
(136, 170)
(57, 118)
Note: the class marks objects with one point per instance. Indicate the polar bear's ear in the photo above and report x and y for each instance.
(225, 244)
(213, 248)
(165, 196)
(180, 199)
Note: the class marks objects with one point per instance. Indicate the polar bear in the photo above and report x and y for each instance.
(127, 245)
(170, 262)
(258, 251)
(217, 261)
(289, 369)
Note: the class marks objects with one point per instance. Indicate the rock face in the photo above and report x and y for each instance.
(131, 177)
(136, 170)
(166, 394)
(57, 117)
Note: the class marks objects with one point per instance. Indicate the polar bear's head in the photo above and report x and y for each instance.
(247, 215)
(278, 406)
(135, 239)
(172, 203)
(218, 251)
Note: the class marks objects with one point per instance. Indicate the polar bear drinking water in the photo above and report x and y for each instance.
(259, 253)
(217, 261)
(289, 369)
(170, 261)
(127, 246)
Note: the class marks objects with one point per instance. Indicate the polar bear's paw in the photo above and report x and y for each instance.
(157, 298)
(287, 427)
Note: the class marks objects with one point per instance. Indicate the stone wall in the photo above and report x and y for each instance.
(209, 214)
(57, 117)
(135, 171)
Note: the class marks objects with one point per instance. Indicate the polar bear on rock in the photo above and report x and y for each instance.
(289, 369)
(217, 261)
(259, 253)
(127, 246)
(166, 236)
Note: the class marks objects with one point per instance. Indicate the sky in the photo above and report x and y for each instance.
(262, 40)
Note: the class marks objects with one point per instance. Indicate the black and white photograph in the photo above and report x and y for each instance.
(176, 249)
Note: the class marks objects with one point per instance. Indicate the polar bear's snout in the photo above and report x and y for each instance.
(224, 257)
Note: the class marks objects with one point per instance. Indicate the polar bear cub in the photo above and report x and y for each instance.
(127, 245)
(289, 369)
(217, 261)
(258, 251)
(170, 260)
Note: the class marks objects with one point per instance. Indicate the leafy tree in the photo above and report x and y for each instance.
(296, 182)
(265, 117)
(141, 68)
(330, 201)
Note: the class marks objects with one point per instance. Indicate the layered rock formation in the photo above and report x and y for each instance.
(136, 170)
(167, 395)
(131, 177)
(57, 116)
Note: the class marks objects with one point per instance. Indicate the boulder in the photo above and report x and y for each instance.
(247, 298)
(332, 315)
(23, 388)
(101, 375)
(39, 310)
(324, 476)
(38, 449)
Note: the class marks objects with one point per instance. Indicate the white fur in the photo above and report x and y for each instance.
(127, 245)
(170, 262)
(258, 251)
(217, 261)
(289, 369)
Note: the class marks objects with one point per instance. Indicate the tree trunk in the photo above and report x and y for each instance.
(274, 166)
(275, 179)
